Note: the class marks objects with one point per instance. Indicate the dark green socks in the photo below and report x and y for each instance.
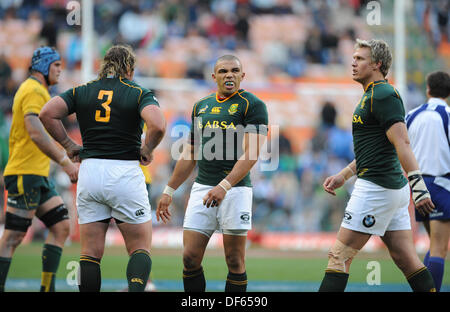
(138, 270)
(194, 281)
(334, 281)
(421, 281)
(4, 268)
(51, 256)
(236, 282)
(90, 275)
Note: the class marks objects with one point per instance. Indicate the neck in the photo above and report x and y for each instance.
(435, 97)
(375, 77)
(40, 78)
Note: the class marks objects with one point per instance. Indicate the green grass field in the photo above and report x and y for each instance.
(262, 266)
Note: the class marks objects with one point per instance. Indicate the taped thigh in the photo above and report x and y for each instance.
(16, 223)
(339, 254)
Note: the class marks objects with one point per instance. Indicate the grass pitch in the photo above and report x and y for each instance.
(263, 267)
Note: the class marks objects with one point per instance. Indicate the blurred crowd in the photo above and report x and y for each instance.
(182, 38)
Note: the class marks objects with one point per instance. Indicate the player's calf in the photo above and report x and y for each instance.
(336, 275)
(138, 270)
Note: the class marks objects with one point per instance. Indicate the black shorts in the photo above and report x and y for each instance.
(440, 196)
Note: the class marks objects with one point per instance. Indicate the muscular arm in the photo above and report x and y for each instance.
(398, 136)
(252, 144)
(336, 181)
(50, 116)
(156, 128)
(40, 137)
(184, 167)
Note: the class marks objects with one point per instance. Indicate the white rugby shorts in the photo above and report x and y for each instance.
(373, 209)
(112, 188)
(234, 213)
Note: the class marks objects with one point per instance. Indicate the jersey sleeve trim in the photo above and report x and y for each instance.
(140, 90)
(248, 103)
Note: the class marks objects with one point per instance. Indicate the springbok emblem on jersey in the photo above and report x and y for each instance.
(203, 110)
(233, 108)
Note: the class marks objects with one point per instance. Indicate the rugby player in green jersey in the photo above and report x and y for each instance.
(111, 111)
(228, 129)
(380, 199)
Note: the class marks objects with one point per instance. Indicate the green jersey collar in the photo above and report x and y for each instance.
(374, 83)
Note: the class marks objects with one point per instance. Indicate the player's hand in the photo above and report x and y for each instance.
(146, 156)
(162, 211)
(214, 197)
(71, 170)
(73, 152)
(332, 183)
(425, 206)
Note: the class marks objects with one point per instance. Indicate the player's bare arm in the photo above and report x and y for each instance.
(251, 144)
(51, 115)
(337, 180)
(398, 136)
(156, 128)
(43, 141)
(183, 169)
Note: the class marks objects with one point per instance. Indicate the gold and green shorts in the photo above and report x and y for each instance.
(28, 191)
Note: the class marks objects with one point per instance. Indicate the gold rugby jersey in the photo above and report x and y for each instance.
(24, 156)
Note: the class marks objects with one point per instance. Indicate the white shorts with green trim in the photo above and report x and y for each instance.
(234, 213)
(373, 209)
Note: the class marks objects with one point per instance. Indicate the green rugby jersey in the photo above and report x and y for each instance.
(108, 113)
(376, 159)
(225, 121)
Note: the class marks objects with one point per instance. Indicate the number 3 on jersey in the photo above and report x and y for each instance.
(105, 105)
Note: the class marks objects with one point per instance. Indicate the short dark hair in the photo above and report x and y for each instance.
(227, 57)
(438, 83)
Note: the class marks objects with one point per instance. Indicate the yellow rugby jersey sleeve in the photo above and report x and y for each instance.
(33, 101)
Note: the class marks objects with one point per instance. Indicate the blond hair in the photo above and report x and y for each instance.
(379, 52)
(119, 60)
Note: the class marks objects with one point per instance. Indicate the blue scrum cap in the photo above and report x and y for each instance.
(42, 58)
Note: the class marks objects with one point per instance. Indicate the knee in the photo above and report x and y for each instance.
(235, 262)
(190, 261)
(12, 239)
(61, 230)
(340, 257)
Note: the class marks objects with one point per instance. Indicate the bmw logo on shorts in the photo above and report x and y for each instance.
(368, 221)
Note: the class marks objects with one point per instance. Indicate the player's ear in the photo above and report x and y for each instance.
(428, 91)
(377, 66)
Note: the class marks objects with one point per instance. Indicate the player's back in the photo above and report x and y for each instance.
(108, 113)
